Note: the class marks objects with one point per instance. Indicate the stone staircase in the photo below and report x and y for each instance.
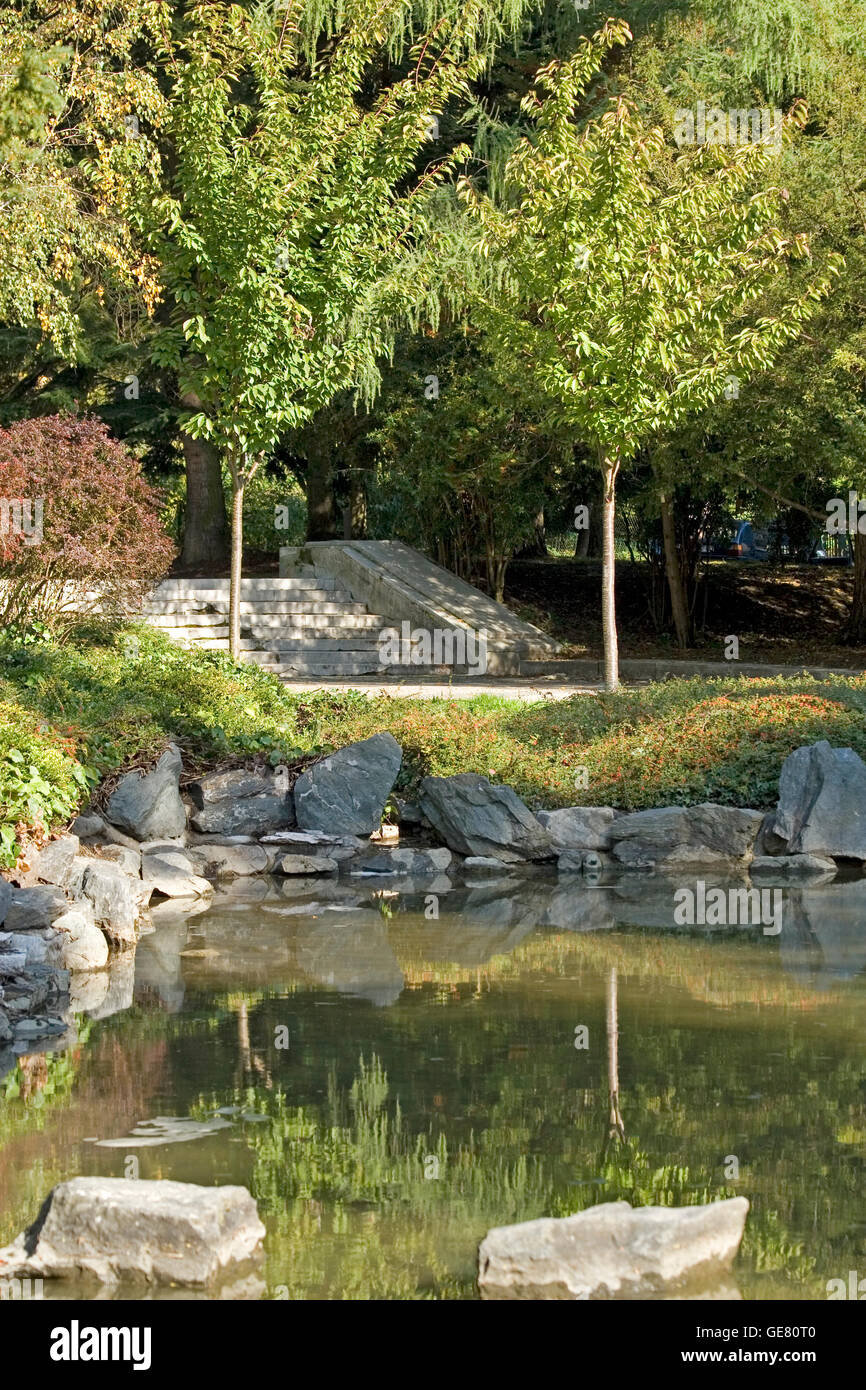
(304, 626)
(325, 616)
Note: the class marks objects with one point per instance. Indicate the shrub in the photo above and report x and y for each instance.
(41, 781)
(79, 525)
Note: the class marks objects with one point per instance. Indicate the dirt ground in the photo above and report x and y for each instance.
(786, 614)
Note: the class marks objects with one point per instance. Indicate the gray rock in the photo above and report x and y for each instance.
(407, 861)
(128, 859)
(306, 864)
(792, 866)
(482, 861)
(5, 1028)
(239, 802)
(149, 806)
(232, 860)
(112, 836)
(345, 793)
(83, 945)
(55, 863)
(34, 908)
(581, 861)
(114, 898)
(579, 827)
(5, 899)
(612, 1251)
(677, 835)
(477, 818)
(12, 962)
(87, 825)
(238, 782)
(153, 1232)
(37, 947)
(822, 802)
(171, 871)
(248, 815)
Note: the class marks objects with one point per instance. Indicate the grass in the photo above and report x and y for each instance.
(71, 715)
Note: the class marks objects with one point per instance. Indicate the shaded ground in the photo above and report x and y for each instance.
(786, 614)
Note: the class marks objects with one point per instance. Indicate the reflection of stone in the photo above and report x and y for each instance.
(351, 957)
(613, 1251)
(649, 901)
(157, 960)
(830, 918)
(165, 1129)
(573, 907)
(121, 982)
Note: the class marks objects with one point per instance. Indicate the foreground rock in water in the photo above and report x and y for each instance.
(612, 1251)
(157, 1232)
(822, 803)
(345, 793)
(475, 817)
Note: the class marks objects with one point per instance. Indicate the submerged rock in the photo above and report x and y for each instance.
(612, 1251)
(156, 1232)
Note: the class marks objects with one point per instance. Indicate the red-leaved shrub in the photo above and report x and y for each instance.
(79, 525)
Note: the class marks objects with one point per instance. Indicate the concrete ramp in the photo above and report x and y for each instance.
(391, 578)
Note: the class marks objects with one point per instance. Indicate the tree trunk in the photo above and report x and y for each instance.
(238, 483)
(206, 539)
(321, 512)
(679, 606)
(856, 630)
(610, 468)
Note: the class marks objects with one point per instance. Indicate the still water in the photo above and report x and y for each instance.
(393, 1070)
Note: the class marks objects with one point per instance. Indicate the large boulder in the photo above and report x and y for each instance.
(671, 836)
(579, 827)
(477, 818)
(33, 908)
(612, 1251)
(231, 860)
(822, 803)
(239, 802)
(153, 1232)
(148, 805)
(171, 871)
(345, 793)
(82, 945)
(114, 897)
(56, 862)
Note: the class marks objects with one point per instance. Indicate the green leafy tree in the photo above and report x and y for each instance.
(288, 218)
(633, 278)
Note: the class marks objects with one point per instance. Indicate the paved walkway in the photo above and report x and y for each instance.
(504, 688)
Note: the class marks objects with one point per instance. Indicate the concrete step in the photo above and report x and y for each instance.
(185, 620)
(272, 625)
(189, 588)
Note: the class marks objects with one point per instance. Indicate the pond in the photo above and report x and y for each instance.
(393, 1067)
